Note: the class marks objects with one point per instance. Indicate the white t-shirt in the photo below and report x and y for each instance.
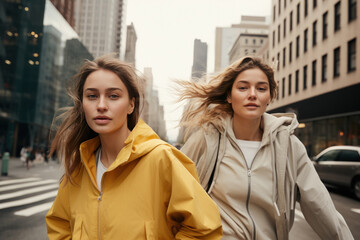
(249, 149)
(100, 168)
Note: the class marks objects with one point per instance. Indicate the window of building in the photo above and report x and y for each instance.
(305, 77)
(298, 13)
(278, 61)
(246, 40)
(305, 40)
(279, 33)
(351, 55)
(291, 20)
(352, 10)
(261, 41)
(273, 39)
(325, 25)
(297, 81)
(254, 41)
(313, 73)
(283, 88)
(324, 68)
(305, 8)
(337, 16)
(337, 62)
(274, 13)
(284, 4)
(314, 33)
(284, 56)
(289, 85)
(290, 52)
(277, 95)
(279, 4)
(314, 3)
(284, 28)
(297, 46)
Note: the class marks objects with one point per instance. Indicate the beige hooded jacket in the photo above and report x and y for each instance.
(267, 209)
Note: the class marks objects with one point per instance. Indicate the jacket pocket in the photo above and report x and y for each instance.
(79, 232)
(150, 230)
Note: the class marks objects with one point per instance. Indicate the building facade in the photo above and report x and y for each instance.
(101, 26)
(34, 36)
(151, 111)
(315, 45)
(199, 66)
(130, 51)
(225, 37)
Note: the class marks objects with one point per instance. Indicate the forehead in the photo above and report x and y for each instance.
(254, 75)
(103, 78)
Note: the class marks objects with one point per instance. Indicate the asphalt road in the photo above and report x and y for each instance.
(22, 214)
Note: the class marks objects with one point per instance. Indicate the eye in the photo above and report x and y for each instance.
(91, 96)
(113, 96)
(262, 89)
(242, 88)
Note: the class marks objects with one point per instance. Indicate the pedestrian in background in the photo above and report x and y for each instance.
(121, 181)
(250, 162)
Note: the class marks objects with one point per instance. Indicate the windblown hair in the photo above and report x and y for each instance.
(74, 129)
(208, 101)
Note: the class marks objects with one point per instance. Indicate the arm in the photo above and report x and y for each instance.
(58, 217)
(190, 209)
(315, 201)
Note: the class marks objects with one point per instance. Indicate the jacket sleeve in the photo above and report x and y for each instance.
(201, 149)
(315, 201)
(58, 217)
(191, 212)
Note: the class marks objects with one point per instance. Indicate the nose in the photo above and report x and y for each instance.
(252, 93)
(102, 104)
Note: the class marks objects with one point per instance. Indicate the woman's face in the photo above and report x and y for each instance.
(106, 102)
(250, 94)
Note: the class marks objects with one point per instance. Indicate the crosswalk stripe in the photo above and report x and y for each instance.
(23, 185)
(357, 210)
(18, 180)
(28, 200)
(33, 210)
(28, 191)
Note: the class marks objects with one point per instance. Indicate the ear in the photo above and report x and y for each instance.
(228, 99)
(131, 106)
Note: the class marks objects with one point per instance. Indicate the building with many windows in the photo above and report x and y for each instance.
(316, 47)
(225, 38)
(101, 26)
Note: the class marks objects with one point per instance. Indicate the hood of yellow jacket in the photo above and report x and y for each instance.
(141, 140)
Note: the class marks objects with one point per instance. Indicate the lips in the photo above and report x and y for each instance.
(251, 105)
(101, 120)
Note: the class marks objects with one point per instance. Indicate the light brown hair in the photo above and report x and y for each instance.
(208, 101)
(74, 129)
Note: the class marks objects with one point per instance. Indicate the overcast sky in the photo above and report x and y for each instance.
(166, 30)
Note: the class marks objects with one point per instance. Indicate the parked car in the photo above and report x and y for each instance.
(340, 166)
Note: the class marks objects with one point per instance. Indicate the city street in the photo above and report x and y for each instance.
(26, 195)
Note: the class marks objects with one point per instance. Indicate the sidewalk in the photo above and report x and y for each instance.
(17, 169)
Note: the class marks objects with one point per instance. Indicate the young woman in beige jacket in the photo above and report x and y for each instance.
(250, 162)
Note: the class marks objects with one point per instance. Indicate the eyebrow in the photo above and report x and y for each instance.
(107, 90)
(245, 81)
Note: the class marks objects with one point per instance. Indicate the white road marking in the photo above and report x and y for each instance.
(18, 180)
(33, 210)
(28, 200)
(23, 185)
(357, 210)
(28, 191)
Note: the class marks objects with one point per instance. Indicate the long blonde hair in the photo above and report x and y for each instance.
(74, 129)
(208, 101)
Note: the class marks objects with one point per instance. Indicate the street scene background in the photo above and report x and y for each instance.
(312, 45)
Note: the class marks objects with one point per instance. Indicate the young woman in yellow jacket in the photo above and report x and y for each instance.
(121, 181)
(250, 162)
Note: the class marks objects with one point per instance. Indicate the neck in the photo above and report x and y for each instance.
(249, 130)
(111, 145)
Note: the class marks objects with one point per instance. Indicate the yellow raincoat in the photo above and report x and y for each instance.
(151, 191)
